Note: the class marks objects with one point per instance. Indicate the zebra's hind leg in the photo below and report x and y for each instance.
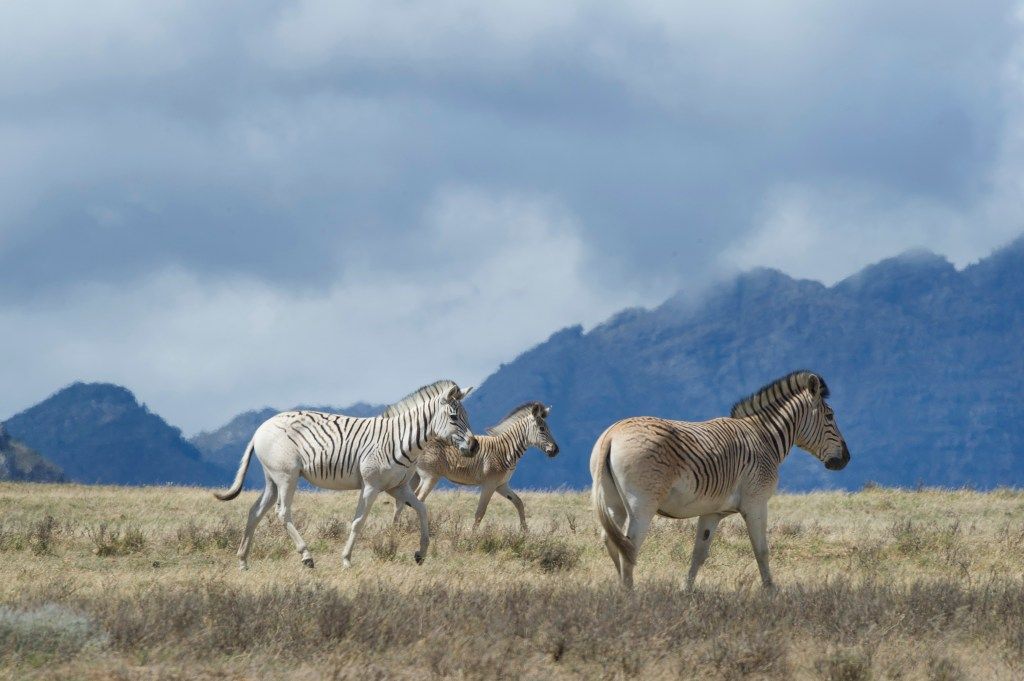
(256, 513)
(638, 521)
(706, 526)
(403, 495)
(284, 512)
(506, 492)
(757, 527)
(363, 506)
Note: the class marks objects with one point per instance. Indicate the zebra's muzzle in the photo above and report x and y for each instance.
(551, 451)
(838, 463)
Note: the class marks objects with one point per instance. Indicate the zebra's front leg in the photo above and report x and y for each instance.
(426, 486)
(757, 528)
(403, 495)
(506, 492)
(481, 507)
(363, 506)
(284, 512)
(706, 526)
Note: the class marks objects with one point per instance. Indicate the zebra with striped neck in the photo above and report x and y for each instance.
(500, 450)
(711, 469)
(340, 452)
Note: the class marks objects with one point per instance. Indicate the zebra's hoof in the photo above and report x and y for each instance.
(418, 557)
(308, 562)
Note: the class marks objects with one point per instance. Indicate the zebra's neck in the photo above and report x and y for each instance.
(780, 424)
(411, 430)
(508, 447)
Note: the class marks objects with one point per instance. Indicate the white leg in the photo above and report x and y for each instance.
(284, 512)
(706, 526)
(403, 495)
(638, 522)
(427, 484)
(481, 507)
(757, 528)
(411, 484)
(504, 490)
(366, 499)
(256, 513)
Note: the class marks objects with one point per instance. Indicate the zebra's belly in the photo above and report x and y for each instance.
(336, 482)
(683, 502)
(462, 478)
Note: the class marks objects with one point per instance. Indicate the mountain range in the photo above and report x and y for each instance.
(923, 361)
(99, 433)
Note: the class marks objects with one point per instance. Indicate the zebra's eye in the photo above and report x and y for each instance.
(829, 416)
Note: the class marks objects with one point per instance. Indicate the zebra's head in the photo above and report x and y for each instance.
(818, 432)
(451, 423)
(537, 432)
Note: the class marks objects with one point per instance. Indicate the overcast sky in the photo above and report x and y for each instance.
(231, 205)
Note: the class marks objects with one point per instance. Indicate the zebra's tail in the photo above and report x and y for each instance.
(236, 486)
(600, 466)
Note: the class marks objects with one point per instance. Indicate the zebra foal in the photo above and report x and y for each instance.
(500, 450)
(340, 452)
(711, 469)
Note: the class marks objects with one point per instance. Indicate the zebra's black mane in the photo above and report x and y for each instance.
(418, 397)
(788, 385)
(515, 414)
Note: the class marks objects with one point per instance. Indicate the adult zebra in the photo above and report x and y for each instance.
(500, 450)
(340, 452)
(642, 466)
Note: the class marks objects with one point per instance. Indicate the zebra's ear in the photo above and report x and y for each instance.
(814, 385)
(454, 394)
(539, 411)
(466, 392)
(547, 410)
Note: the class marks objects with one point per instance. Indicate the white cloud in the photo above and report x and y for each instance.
(200, 351)
(827, 230)
(228, 204)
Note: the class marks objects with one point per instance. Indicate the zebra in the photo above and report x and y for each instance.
(500, 450)
(711, 469)
(340, 452)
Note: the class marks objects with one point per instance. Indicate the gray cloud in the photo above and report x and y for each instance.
(177, 164)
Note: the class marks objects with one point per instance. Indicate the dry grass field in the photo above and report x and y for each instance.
(114, 583)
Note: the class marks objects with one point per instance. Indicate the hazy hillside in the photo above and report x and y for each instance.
(21, 463)
(924, 362)
(99, 433)
(224, 446)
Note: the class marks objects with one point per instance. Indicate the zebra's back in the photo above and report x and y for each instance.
(326, 448)
(689, 465)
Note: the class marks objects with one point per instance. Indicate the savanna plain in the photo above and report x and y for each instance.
(142, 583)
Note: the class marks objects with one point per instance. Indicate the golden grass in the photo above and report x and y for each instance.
(106, 582)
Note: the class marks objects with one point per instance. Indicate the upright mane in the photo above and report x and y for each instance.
(418, 397)
(776, 392)
(513, 416)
